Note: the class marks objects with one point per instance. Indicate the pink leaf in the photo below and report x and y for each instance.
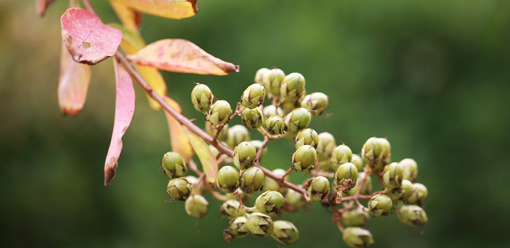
(124, 109)
(73, 84)
(88, 40)
(179, 55)
(42, 5)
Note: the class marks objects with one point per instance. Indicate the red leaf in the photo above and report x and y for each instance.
(88, 40)
(180, 55)
(124, 109)
(42, 5)
(73, 84)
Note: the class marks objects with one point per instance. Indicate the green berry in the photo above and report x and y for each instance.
(295, 199)
(230, 209)
(372, 153)
(209, 128)
(269, 202)
(238, 228)
(355, 217)
(318, 188)
(275, 78)
(219, 113)
(196, 206)
(412, 215)
(357, 237)
(304, 159)
(297, 119)
(285, 232)
(174, 165)
(252, 180)
(274, 125)
(356, 160)
(260, 224)
(244, 155)
(419, 194)
(253, 96)
(202, 97)
(179, 189)
(410, 169)
(258, 144)
(386, 151)
(261, 77)
(344, 172)
(293, 86)
(236, 135)
(401, 193)
(380, 205)
(307, 136)
(367, 187)
(227, 179)
(191, 179)
(393, 175)
(341, 154)
(272, 185)
(272, 110)
(316, 102)
(252, 118)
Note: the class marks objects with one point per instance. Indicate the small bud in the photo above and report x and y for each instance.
(258, 144)
(252, 118)
(297, 119)
(285, 232)
(380, 205)
(386, 151)
(274, 125)
(202, 97)
(269, 202)
(326, 145)
(227, 179)
(367, 187)
(295, 199)
(372, 153)
(174, 165)
(251, 180)
(253, 96)
(272, 185)
(410, 169)
(401, 193)
(356, 160)
(236, 135)
(260, 224)
(293, 86)
(212, 131)
(412, 215)
(318, 188)
(307, 136)
(196, 206)
(230, 209)
(355, 217)
(393, 175)
(316, 102)
(244, 155)
(344, 172)
(357, 237)
(261, 77)
(237, 227)
(272, 110)
(290, 104)
(179, 189)
(419, 194)
(304, 159)
(341, 154)
(219, 112)
(275, 78)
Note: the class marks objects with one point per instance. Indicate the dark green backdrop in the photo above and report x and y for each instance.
(430, 75)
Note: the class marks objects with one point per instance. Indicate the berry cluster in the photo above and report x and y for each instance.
(288, 116)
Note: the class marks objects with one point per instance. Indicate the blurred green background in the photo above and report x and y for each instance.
(430, 75)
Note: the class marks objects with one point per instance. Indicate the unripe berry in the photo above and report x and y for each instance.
(410, 169)
(367, 187)
(260, 224)
(244, 155)
(252, 180)
(372, 153)
(272, 185)
(191, 180)
(274, 125)
(275, 78)
(304, 159)
(295, 199)
(179, 189)
(297, 119)
(380, 205)
(293, 86)
(386, 151)
(285, 232)
(196, 206)
(269, 202)
(356, 160)
(355, 217)
(219, 112)
(237, 227)
(341, 154)
(252, 118)
(344, 172)
(412, 216)
(236, 135)
(212, 131)
(419, 194)
(357, 237)
(393, 175)
(401, 193)
(316, 102)
(227, 179)
(272, 110)
(230, 209)
(174, 165)
(318, 188)
(202, 97)
(261, 77)
(307, 136)
(253, 96)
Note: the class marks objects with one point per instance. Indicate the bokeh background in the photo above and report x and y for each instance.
(430, 75)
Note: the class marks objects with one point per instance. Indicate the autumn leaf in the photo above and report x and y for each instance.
(73, 84)
(207, 159)
(178, 55)
(124, 109)
(178, 138)
(42, 5)
(130, 18)
(174, 9)
(88, 40)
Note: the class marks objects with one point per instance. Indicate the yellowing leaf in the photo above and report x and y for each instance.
(209, 162)
(73, 84)
(130, 18)
(124, 110)
(174, 9)
(180, 55)
(178, 138)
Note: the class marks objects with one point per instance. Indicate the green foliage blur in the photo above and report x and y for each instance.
(430, 75)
